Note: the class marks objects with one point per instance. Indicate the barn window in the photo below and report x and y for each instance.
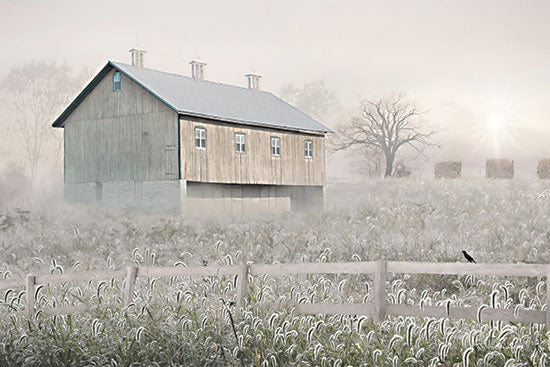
(308, 149)
(200, 137)
(275, 146)
(116, 81)
(240, 142)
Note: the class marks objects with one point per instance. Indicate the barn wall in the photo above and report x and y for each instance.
(306, 198)
(235, 199)
(224, 199)
(220, 163)
(178, 197)
(127, 135)
(163, 196)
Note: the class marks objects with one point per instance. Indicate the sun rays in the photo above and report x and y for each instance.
(496, 131)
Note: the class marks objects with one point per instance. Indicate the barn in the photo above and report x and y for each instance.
(141, 138)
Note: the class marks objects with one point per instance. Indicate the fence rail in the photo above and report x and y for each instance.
(378, 310)
(313, 268)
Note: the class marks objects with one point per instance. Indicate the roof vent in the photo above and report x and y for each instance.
(137, 57)
(197, 69)
(253, 80)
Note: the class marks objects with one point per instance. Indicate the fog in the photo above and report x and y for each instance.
(112, 283)
(479, 69)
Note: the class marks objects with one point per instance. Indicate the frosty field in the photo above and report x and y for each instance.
(182, 321)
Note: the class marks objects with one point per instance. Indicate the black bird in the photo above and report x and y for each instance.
(468, 257)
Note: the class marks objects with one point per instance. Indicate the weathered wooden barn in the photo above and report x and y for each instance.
(136, 137)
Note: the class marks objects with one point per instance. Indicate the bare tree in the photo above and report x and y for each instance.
(387, 125)
(31, 97)
(371, 163)
(314, 99)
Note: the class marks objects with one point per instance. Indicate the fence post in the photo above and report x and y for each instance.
(380, 291)
(131, 273)
(548, 298)
(242, 285)
(29, 308)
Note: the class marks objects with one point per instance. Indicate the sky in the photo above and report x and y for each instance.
(481, 69)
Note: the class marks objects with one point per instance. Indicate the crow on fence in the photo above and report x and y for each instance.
(468, 257)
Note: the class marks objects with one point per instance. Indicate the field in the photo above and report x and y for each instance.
(180, 321)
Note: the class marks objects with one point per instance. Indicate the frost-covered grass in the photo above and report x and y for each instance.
(180, 321)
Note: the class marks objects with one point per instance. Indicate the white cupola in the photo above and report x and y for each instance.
(137, 57)
(253, 80)
(197, 68)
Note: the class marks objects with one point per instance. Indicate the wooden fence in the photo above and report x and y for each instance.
(378, 310)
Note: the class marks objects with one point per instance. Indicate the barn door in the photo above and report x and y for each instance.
(170, 161)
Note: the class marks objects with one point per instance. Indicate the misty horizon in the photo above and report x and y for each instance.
(471, 65)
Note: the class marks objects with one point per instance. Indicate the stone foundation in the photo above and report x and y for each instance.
(149, 196)
(195, 198)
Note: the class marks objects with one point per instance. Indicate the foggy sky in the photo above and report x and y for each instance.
(467, 62)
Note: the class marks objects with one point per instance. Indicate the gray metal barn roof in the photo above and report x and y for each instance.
(208, 99)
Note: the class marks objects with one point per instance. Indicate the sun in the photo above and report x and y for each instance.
(496, 131)
(496, 124)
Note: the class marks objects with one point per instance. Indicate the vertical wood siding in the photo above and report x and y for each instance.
(131, 136)
(220, 163)
(121, 136)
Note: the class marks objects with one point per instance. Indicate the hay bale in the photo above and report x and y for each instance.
(543, 169)
(448, 169)
(499, 168)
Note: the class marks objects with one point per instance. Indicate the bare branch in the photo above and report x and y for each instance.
(31, 96)
(386, 124)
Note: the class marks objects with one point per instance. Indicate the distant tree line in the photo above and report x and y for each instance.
(31, 97)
